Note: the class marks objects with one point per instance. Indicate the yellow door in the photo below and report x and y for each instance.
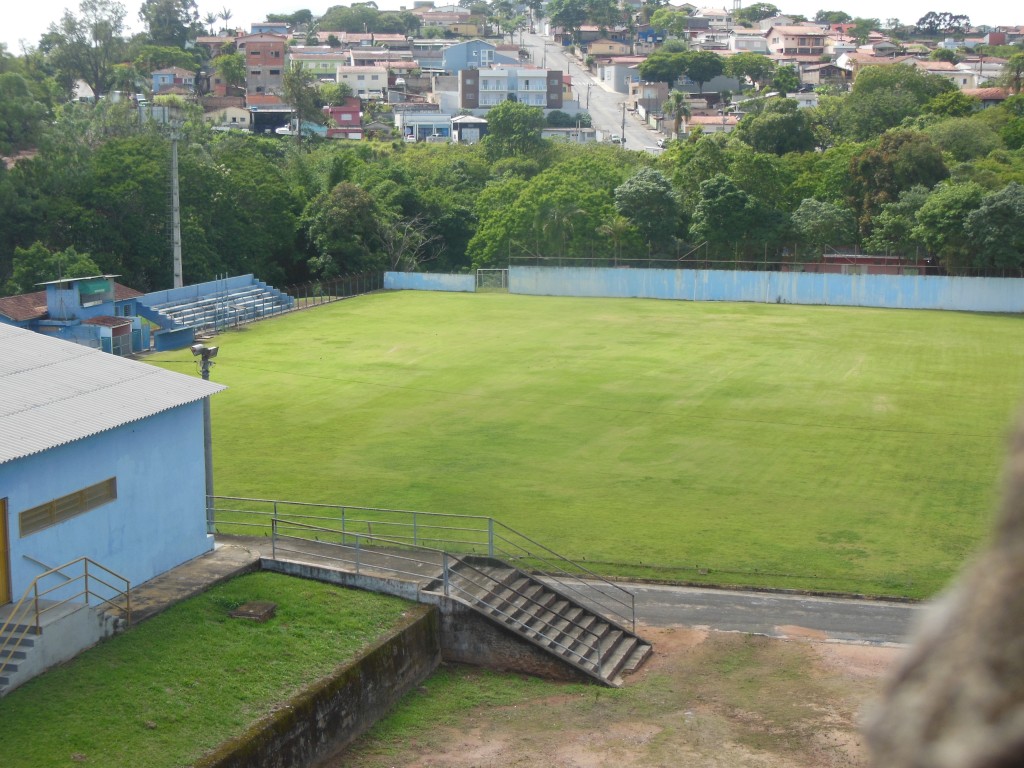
(5, 557)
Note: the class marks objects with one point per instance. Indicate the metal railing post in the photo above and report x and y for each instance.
(490, 537)
(357, 553)
(85, 567)
(342, 519)
(415, 537)
(444, 560)
(273, 538)
(35, 604)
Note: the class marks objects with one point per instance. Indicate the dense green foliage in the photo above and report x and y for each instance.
(816, 447)
(786, 182)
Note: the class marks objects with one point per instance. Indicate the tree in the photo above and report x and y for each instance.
(964, 138)
(944, 54)
(225, 14)
(727, 216)
(755, 67)
(945, 23)
(819, 224)
(899, 161)
(332, 94)
(663, 67)
(994, 230)
(344, 227)
(702, 66)
(210, 19)
(942, 222)
(670, 21)
(832, 17)
(1013, 72)
(863, 27)
(301, 95)
(570, 15)
(786, 80)
(648, 201)
(513, 128)
(884, 95)
(755, 13)
(677, 107)
(231, 68)
(952, 104)
(780, 128)
(618, 230)
(21, 116)
(171, 22)
(88, 46)
(893, 228)
(38, 264)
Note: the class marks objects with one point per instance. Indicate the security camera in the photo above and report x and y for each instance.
(198, 349)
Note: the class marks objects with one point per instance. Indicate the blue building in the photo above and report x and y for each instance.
(100, 456)
(93, 311)
(473, 54)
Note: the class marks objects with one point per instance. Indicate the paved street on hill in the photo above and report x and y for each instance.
(605, 107)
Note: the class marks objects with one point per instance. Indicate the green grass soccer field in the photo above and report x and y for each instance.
(822, 448)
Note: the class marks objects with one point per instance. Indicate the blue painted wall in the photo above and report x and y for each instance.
(425, 281)
(968, 294)
(158, 520)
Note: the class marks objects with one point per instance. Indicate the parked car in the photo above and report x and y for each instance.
(616, 139)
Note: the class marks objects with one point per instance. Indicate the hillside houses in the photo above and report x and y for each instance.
(422, 74)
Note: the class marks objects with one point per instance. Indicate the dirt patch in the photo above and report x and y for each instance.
(705, 699)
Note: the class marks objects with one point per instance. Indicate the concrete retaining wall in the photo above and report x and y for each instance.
(967, 294)
(469, 638)
(336, 709)
(423, 281)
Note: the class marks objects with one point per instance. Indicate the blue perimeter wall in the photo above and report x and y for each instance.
(425, 281)
(968, 294)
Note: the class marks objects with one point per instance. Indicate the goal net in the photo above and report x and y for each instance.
(492, 280)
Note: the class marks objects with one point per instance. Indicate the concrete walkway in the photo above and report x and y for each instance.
(779, 615)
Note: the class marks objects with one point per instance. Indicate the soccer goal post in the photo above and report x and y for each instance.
(492, 280)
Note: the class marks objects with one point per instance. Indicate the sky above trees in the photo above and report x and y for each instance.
(29, 21)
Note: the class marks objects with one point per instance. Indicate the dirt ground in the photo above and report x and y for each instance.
(704, 700)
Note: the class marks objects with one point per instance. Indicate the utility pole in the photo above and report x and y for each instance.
(175, 210)
(623, 134)
(205, 364)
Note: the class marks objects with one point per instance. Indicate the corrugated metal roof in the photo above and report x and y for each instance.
(53, 392)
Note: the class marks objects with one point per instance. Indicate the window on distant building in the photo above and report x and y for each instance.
(64, 508)
(275, 72)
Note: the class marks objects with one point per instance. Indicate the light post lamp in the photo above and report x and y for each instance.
(206, 355)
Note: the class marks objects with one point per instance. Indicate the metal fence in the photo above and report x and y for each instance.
(410, 530)
(333, 289)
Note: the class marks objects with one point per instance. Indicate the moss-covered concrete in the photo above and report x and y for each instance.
(336, 709)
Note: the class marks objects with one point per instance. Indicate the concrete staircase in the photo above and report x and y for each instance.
(547, 617)
(18, 643)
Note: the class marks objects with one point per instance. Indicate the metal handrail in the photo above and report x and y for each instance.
(623, 601)
(593, 647)
(26, 616)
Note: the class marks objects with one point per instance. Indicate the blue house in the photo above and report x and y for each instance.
(472, 54)
(100, 457)
(94, 311)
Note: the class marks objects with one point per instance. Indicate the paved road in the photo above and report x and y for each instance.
(605, 107)
(776, 615)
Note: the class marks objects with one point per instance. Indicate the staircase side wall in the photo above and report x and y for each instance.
(61, 641)
(469, 638)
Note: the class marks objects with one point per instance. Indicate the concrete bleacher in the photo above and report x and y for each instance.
(207, 307)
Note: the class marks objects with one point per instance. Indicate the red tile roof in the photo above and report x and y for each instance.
(108, 321)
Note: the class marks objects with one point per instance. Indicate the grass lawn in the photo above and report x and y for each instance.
(183, 682)
(815, 447)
